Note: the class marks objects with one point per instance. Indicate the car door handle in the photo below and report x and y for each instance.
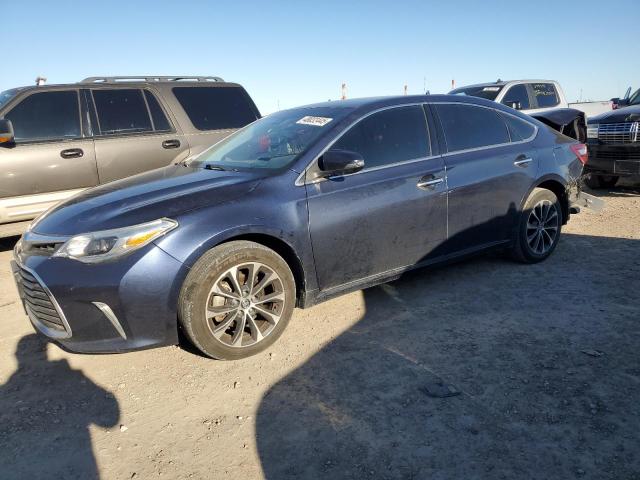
(429, 182)
(171, 144)
(523, 162)
(72, 153)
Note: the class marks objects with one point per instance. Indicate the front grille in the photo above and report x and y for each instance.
(627, 132)
(46, 249)
(38, 303)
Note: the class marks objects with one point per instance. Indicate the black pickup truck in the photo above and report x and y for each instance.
(613, 142)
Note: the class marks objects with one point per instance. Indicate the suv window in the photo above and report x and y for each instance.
(546, 95)
(518, 95)
(390, 136)
(46, 116)
(468, 126)
(216, 108)
(518, 129)
(121, 111)
(160, 122)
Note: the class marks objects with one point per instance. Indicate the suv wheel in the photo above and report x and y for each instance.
(539, 228)
(236, 300)
(601, 181)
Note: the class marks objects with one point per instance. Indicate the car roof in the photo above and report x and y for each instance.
(140, 83)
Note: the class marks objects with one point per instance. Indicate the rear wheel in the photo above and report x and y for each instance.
(601, 181)
(237, 300)
(539, 228)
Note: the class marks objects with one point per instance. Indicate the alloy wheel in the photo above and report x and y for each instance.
(542, 227)
(245, 304)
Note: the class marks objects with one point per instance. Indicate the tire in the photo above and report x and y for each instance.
(601, 181)
(212, 307)
(534, 244)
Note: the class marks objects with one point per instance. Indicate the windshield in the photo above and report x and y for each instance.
(274, 141)
(490, 92)
(7, 95)
(635, 98)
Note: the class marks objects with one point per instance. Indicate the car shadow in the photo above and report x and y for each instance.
(483, 369)
(46, 408)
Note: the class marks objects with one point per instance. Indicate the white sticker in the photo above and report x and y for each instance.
(490, 89)
(315, 121)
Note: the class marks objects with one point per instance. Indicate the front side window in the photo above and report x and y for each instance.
(216, 108)
(390, 136)
(121, 111)
(635, 98)
(467, 126)
(46, 116)
(518, 96)
(274, 141)
(545, 94)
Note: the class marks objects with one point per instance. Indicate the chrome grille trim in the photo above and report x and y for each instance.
(620, 133)
(41, 306)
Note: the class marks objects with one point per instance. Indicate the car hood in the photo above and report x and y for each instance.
(166, 192)
(626, 114)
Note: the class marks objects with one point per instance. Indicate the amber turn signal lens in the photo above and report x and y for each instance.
(140, 239)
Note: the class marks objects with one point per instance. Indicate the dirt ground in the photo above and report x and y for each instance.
(483, 369)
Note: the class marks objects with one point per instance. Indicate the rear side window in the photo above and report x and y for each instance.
(518, 129)
(216, 108)
(545, 94)
(517, 95)
(389, 136)
(160, 122)
(46, 116)
(121, 111)
(467, 126)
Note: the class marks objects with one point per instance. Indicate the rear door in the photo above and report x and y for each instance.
(491, 165)
(383, 217)
(53, 156)
(133, 133)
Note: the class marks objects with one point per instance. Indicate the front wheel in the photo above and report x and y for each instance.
(539, 228)
(236, 300)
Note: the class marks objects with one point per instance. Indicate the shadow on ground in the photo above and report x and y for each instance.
(542, 361)
(46, 408)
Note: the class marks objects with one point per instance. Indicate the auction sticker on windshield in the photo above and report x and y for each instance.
(315, 121)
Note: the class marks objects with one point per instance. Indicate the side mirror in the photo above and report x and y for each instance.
(6, 132)
(340, 162)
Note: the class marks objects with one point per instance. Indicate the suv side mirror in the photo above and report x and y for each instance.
(340, 162)
(6, 132)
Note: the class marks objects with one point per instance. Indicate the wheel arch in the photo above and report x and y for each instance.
(557, 185)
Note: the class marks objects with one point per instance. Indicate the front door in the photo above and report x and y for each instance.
(133, 133)
(53, 156)
(390, 215)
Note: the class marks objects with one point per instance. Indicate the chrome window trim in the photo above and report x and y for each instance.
(42, 328)
(300, 180)
(107, 312)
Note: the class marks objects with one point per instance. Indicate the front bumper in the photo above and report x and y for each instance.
(116, 306)
(613, 159)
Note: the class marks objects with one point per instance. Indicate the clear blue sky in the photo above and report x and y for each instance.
(289, 53)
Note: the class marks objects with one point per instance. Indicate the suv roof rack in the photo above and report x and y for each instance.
(150, 79)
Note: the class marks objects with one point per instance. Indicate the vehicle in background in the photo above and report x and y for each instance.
(624, 101)
(613, 141)
(542, 99)
(298, 207)
(56, 140)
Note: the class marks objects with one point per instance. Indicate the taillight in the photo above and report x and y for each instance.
(580, 150)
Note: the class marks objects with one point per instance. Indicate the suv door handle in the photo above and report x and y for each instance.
(429, 182)
(523, 162)
(72, 153)
(171, 144)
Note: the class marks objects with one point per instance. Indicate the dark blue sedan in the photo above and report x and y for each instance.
(295, 208)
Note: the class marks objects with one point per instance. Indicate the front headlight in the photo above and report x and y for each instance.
(109, 244)
(592, 131)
